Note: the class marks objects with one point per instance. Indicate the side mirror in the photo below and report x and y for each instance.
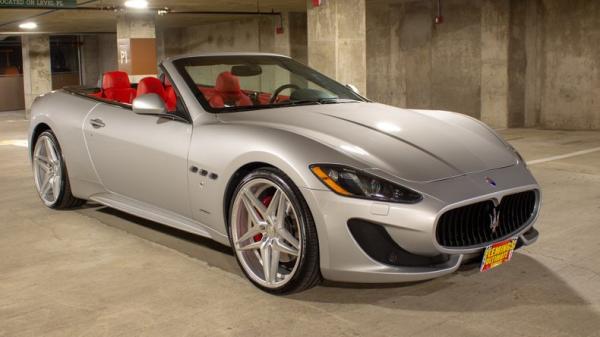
(353, 88)
(149, 104)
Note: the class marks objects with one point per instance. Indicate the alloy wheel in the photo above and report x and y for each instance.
(47, 170)
(266, 233)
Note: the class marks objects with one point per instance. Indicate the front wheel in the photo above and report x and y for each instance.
(50, 173)
(273, 233)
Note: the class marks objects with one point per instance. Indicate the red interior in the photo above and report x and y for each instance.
(152, 85)
(226, 92)
(116, 87)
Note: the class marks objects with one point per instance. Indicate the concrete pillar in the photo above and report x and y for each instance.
(379, 51)
(337, 40)
(136, 44)
(533, 82)
(89, 60)
(298, 42)
(495, 29)
(98, 55)
(37, 76)
(398, 78)
(503, 63)
(517, 64)
(161, 52)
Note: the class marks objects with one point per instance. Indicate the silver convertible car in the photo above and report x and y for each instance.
(302, 176)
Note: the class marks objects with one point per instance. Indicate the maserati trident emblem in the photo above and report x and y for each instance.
(495, 219)
(490, 181)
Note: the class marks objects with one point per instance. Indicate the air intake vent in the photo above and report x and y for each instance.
(378, 244)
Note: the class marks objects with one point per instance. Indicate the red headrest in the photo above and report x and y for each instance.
(115, 79)
(227, 83)
(150, 85)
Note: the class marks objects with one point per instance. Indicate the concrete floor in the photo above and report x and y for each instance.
(99, 272)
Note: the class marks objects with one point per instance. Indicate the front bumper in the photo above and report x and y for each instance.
(411, 227)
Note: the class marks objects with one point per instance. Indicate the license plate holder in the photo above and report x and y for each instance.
(498, 253)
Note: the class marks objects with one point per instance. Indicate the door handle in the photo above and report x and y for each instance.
(97, 123)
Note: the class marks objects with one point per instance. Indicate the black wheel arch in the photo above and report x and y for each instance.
(234, 180)
(37, 131)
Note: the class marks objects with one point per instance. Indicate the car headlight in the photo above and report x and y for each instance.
(353, 183)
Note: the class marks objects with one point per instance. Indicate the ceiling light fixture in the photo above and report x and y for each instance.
(138, 4)
(28, 25)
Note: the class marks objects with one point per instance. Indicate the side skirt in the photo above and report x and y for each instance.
(164, 217)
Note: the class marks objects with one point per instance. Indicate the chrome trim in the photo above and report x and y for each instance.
(497, 199)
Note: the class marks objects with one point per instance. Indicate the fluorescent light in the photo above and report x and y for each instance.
(136, 4)
(28, 25)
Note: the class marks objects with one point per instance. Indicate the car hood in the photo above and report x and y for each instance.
(413, 145)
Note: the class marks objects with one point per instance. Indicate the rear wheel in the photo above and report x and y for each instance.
(273, 233)
(50, 174)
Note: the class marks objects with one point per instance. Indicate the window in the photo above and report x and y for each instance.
(10, 56)
(230, 83)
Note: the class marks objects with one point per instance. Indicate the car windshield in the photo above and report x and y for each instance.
(233, 83)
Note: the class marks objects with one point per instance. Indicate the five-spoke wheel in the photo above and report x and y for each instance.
(269, 225)
(47, 170)
(50, 174)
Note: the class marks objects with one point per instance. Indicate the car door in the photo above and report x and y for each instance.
(139, 156)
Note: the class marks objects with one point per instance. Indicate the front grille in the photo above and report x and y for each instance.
(471, 225)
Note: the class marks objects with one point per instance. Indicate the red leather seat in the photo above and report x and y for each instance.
(228, 92)
(170, 98)
(116, 87)
(152, 85)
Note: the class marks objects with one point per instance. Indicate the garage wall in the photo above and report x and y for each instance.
(523, 62)
(420, 59)
(214, 37)
(246, 35)
(570, 79)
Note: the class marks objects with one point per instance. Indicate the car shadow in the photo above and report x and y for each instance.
(522, 282)
(196, 246)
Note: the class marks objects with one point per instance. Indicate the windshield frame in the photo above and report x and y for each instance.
(181, 63)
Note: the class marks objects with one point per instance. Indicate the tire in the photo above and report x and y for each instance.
(48, 162)
(297, 256)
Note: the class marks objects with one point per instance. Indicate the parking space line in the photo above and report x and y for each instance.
(14, 142)
(563, 156)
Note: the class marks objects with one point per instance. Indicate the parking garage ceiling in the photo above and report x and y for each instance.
(81, 21)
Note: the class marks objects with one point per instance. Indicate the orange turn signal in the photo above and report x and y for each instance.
(328, 181)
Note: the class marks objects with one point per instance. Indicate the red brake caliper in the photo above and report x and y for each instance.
(266, 200)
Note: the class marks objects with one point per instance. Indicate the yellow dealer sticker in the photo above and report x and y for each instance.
(497, 254)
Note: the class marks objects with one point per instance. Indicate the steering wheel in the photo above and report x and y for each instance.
(280, 90)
